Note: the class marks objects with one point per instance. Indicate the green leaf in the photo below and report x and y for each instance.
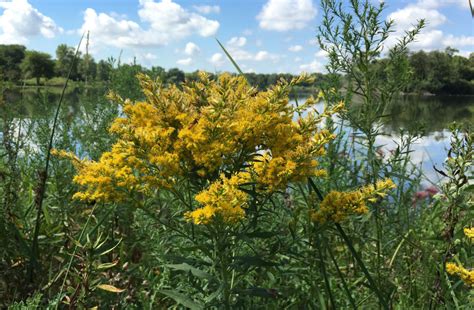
(230, 58)
(107, 265)
(182, 299)
(260, 292)
(246, 262)
(188, 268)
(109, 250)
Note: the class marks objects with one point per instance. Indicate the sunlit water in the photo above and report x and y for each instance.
(431, 118)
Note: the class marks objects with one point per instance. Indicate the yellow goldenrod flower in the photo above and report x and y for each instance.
(222, 198)
(196, 131)
(337, 206)
(469, 232)
(467, 276)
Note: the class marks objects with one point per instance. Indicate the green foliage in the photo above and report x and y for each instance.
(440, 72)
(11, 57)
(37, 65)
(64, 60)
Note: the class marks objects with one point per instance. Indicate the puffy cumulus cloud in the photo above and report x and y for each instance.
(207, 9)
(430, 37)
(108, 30)
(237, 42)
(144, 58)
(235, 47)
(439, 3)
(217, 59)
(405, 17)
(191, 49)
(295, 48)
(314, 66)
(170, 18)
(264, 55)
(461, 41)
(20, 21)
(321, 54)
(284, 15)
(165, 21)
(185, 61)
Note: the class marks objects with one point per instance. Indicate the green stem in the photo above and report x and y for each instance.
(221, 255)
(327, 284)
(361, 264)
(341, 276)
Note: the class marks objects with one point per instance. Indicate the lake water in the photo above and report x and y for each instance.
(86, 113)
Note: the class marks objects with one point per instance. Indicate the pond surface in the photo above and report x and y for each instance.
(85, 116)
(431, 117)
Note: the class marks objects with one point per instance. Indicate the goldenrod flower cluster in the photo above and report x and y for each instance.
(337, 206)
(221, 199)
(469, 232)
(212, 133)
(467, 276)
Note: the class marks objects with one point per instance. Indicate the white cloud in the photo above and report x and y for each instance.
(150, 56)
(465, 53)
(165, 21)
(461, 41)
(464, 4)
(185, 61)
(237, 42)
(207, 9)
(321, 54)
(298, 59)
(191, 49)
(217, 59)
(284, 15)
(235, 48)
(430, 37)
(405, 18)
(170, 18)
(147, 59)
(20, 21)
(264, 55)
(314, 66)
(295, 48)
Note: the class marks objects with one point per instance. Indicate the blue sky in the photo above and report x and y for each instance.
(262, 35)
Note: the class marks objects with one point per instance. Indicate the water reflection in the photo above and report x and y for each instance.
(432, 114)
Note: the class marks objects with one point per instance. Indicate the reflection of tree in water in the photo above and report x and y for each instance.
(428, 113)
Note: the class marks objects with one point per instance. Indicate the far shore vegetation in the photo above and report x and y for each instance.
(441, 72)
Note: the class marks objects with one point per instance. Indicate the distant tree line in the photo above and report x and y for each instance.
(436, 72)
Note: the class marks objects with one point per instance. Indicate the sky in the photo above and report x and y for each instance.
(263, 36)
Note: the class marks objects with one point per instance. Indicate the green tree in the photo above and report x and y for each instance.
(37, 65)
(87, 68)
(11, 57)
(64, 58)
(175, 76)
(104, 70)
(158, 72)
